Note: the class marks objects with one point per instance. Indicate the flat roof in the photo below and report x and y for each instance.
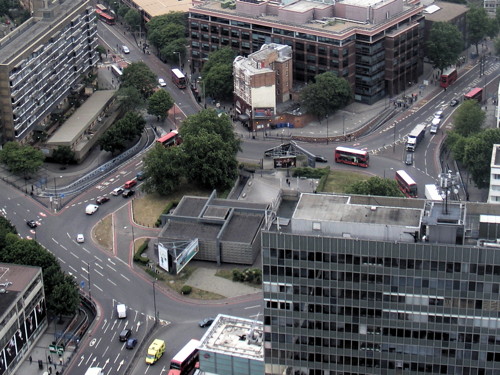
(337, 208)
(26, 36)
(442, 11)
(230, 335)
(160, 7)
(14, 279)
(80, 120)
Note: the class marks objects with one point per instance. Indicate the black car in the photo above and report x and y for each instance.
(31, 224)
(207, 322)
(131, 343)
(125, 334)
(101, 200)
(454, 102)
(128, 193)
(321, 159)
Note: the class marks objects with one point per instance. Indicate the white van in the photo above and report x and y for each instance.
(121, 311)
(91, 208)
(435, 125)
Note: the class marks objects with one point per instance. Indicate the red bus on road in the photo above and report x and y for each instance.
(352, 156)
(178, 78)
(475, 94)
(406, 184)
(104, 14)
(170, 139)
(449, 76)
(185, 360)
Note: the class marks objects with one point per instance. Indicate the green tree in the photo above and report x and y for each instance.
(21, 159)
(167, 28)
(469, 118)
(63, 155)
(133, 19)
(5, 227)
(480, 25)
(383, 187)
(210, 149)
(101, 51)
(160, 103)
(139, 76)
(497, 46)
(456, 144)
(118, 136)
(217, 73)
(169, 51)
(444, 45)
(477, 155)
(131, 98)
(65, 297)
(326, 95)
(163, 169)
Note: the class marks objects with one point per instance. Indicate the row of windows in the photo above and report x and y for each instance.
(404, 264)
(393, 281)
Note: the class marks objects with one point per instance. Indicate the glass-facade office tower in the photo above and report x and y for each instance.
(372, 285)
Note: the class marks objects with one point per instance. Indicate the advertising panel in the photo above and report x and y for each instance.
(260, 113)
(285, 162)
(163, 257)
(187, 254)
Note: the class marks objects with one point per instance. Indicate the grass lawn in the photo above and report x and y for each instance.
(339, 180)
(228, 274)
(103, 233)
(149, 207)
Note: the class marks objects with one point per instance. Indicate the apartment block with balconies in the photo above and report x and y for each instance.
(40, 62)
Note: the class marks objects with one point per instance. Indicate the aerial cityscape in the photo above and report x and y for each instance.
(249, 187)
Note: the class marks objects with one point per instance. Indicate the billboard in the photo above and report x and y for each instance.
(186, 255)
(163, 257)
(285, 161)
(261, 113)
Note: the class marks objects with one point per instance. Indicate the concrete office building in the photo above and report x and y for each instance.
(232, 345)
(377, 285)
(443, 11)
(23, 314)
(494, 191)
(261, 81)
(376, 45)
(40, 61)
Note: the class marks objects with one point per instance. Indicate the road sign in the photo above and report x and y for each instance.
(82, 284)
(56, 349)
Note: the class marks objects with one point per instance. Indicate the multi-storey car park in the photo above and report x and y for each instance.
(376, 285)
(376, 45)
(40, 62)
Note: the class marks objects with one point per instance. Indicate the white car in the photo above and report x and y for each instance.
(80, 238)
(118, 191)
(125, 49)
(91, 208)
(438, 114)
(162, 82)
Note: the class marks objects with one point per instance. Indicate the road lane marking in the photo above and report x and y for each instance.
(251, 307)
(126, 278)
(111, 267)
(112, 282)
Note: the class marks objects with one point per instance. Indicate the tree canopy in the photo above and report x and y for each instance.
(469, 118)
(117, 137)
(139, 76)
(21, 159)
(133, 19)
(206, 157)
(477, 155)
(131, 98)
(160, 103)
(444, 45)
(326, 95)
(217, 74)
(479, 25)
(167, 34)
(383, 187)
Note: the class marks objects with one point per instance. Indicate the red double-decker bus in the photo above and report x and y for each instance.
(406, 184)
(449, 76)
(178, 78)
(352, 156)
(475, 94)
(170, 139)
(185, 360)
(105, 14)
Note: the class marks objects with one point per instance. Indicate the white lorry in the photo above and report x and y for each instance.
(432, 193)
(94, 371)
(415, 136)
(121, 311)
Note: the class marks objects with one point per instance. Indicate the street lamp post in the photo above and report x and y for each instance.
(343, 126)
(179, 54)
(88, 273)
(327, 123)
(154, 298)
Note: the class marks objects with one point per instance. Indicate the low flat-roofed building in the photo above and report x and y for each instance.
(150, 9)
(23, 314)
(228, 231)
(82, 130)
(232, 345)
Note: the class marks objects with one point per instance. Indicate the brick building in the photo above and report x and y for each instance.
(375, 45)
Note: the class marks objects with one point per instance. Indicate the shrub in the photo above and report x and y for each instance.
(310, 172)
(237, 275)
(138, 254)
(166, 210)
(186, 289)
